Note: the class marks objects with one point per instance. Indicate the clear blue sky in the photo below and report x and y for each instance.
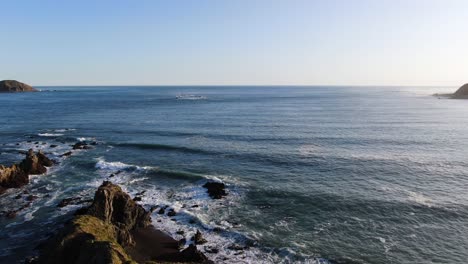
(233, 42)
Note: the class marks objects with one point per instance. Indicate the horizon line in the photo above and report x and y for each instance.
(241, 85)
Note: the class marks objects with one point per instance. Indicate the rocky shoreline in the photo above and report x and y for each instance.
(114, 229)
(110, 228)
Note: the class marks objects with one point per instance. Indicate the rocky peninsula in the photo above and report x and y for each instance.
(12, 86)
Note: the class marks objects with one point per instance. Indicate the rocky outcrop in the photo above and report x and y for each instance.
(35, 163)
(17, 175)
(86, 239)
(216, 190)
(114, 206)
(12, 86)
(461, 93)
(114, 229)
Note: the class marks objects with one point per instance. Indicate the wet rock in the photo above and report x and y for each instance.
(18, 196)
(137, 199)
(66, 154)
(31, 198)
(216, 190)
(11, 214)
(237, 247)
(68, 201)
(211, 250)
(81, 145)
(140, 193)
(153, 208)
(171, 213)
(94, 143)
(198, 238)
(161, 211)
(180, 232)
(182, 242)
(195, 206)
(53, 146)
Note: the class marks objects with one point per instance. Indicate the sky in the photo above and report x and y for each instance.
(235, 42)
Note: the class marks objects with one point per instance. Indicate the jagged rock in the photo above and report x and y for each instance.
(35, 164)
(31, 198)
(13, 177)
(461, 93)
(198, 238)
(12, 86)
(113, 205)
(171, 213)
(66, 154)
(216, 190)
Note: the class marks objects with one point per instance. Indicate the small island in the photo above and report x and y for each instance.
(12, 86)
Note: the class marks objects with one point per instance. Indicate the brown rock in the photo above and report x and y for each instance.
(12, 86)
(198, 238)
(35, 164)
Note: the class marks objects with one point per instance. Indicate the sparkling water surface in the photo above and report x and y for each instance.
(363, 174)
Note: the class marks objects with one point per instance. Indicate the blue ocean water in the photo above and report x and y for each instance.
(353, 174)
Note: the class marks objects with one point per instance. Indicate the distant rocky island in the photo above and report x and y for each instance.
(12, 86)
(461, 93)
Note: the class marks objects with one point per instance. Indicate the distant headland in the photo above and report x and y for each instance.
(461, 93)
(12, 86)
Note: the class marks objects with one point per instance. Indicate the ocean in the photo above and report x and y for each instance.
(351, 174)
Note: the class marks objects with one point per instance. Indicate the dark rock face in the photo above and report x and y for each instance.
(461, 93)
(12, 86)
(216, 190)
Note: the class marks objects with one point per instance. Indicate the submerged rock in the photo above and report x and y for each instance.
(216, 190)
(81, 145)
(461, 93)
(12, 86)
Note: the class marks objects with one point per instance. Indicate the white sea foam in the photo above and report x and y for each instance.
(420, 199)
(50, 134)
